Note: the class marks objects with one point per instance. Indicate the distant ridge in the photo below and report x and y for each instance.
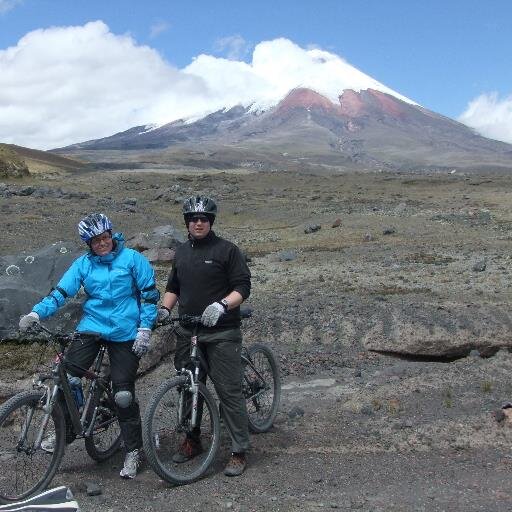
(37, 160)
(368, 129)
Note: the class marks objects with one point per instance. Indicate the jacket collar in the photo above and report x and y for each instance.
(202, 241)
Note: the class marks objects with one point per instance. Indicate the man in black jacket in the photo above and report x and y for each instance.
(210, 279)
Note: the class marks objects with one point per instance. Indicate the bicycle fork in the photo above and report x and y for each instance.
(194, 387)
(47, 408)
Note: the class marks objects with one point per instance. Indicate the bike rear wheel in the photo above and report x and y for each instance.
(25, 469)
(261, 386)
(105, 438)
(165, 427)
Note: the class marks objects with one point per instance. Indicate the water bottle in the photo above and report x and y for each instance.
(77, 390)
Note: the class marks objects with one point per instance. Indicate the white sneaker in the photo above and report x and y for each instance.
(131, 464)
(48, 444)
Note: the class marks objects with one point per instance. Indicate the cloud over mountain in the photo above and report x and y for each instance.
(66, 84)
(490, 116)
(63, 85)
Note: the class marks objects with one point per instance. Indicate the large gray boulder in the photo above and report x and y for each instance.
(439, 330)
(27, 278)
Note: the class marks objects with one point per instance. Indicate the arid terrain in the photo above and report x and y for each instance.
(386, 299)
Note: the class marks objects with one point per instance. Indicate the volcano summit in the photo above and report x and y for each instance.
(369, 129)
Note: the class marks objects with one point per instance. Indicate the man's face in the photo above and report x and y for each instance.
(102, 244)
(199, 226)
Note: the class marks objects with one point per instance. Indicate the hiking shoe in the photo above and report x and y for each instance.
(132, 462)
(189, 449)
(48, 444)
(236, 465)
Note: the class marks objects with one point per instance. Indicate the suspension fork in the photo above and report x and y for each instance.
(47, 408)
(194, 387)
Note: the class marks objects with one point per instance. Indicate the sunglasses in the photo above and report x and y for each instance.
(97, 240)
(197, 218)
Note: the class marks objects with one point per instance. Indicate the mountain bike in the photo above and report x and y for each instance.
(183, 406)
(36, 424)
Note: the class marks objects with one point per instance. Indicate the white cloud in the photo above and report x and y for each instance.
(490, 116)
(7, 5)
(158, 28)
(64, 85)
(235, 47)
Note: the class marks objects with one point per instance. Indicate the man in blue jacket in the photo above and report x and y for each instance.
(120, 306)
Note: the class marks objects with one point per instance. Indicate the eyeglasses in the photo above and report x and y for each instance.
(197, 218)
(97, 240)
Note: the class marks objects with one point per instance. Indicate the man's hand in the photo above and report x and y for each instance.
(162, 314)
(212, 313)
(142, 342)
(27, 321)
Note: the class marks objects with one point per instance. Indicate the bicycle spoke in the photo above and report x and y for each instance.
(24, 467)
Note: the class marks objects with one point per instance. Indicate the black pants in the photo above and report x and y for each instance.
(222, 352)
(123, 371)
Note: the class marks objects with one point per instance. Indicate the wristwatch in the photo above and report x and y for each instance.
(224, 302)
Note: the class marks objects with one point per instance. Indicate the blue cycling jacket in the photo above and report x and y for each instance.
(120, 289)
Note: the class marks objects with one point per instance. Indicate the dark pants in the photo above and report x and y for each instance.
(222, 352)
(123, 371)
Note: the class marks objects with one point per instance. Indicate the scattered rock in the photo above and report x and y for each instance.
(93, 489)
(479, 266)
(288, 255)
(312, 228)
(161, 255)
(295, 412)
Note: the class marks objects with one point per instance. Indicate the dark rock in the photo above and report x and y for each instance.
(25, 279)
(26, 191)
(295, 412)
(93, 489)
(389, 231)
(499, 415)
(367, 410)
(479, 266)
(312, 228)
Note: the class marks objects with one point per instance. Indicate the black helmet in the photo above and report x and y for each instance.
(199, 204)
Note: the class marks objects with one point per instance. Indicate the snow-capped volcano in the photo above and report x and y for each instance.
(308, 131)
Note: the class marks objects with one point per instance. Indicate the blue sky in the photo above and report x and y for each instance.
(443, 55)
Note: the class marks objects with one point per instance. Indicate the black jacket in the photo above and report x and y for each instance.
(206, 271)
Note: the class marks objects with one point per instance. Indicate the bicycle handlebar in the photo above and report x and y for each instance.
(196, 319)
(64, 339)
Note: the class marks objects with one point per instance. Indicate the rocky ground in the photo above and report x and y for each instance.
(386, 299)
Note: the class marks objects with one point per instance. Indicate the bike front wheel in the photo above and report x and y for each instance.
(105, 438)
(261, 387)
(178, 452)
(26, 468)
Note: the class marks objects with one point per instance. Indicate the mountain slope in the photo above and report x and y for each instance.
(36, 160)
(368, 129)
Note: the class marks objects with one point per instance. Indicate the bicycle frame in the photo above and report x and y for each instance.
(81, 427)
